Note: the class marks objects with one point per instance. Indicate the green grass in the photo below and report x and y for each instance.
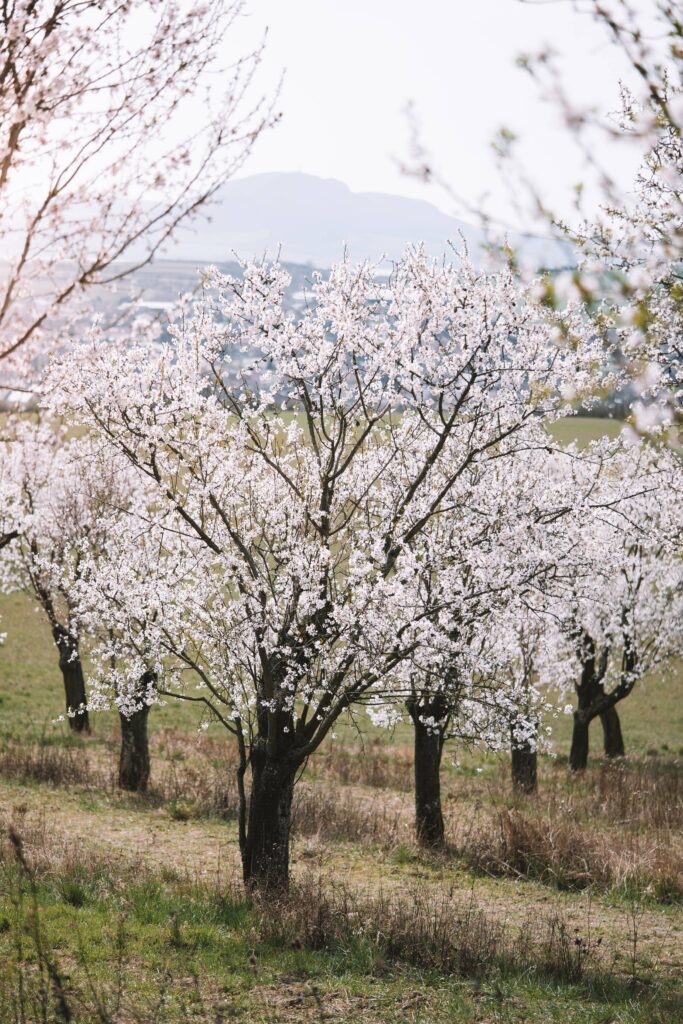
(116, 938)
(584, 429)
(31, 688)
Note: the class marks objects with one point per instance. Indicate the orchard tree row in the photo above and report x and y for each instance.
(376, 520)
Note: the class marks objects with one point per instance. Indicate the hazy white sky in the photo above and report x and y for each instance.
(352, 65)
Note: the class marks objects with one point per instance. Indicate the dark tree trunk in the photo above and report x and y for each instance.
(524, 765)
(74, 681)
(590, 691)
(578, 754)
(134, 758)
(429, 824)
(611, 728)
(265, 850)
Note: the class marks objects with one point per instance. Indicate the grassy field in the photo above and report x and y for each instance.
(562, 907)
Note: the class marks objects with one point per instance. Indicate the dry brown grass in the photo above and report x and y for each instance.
(344, 815)
(52, 766)
(616, 828)
(570, 857)
(448, 933)
(637, 794)
(373, 764)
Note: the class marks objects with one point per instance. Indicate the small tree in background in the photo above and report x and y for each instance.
(58, 491)
(450, 695)
(621, 619)
(126, 658)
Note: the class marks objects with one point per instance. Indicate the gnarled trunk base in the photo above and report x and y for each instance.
(594, 702)
(611, 727)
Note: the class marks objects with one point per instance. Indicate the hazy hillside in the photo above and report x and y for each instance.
(312, 220)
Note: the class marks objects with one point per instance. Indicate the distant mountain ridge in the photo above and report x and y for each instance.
(314, 220)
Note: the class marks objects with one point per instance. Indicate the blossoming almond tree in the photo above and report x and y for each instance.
(621, 620)
(96, 166)
(519, 671)
(57, 489)
(299, 491)
(128, 662)
(503, 544)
